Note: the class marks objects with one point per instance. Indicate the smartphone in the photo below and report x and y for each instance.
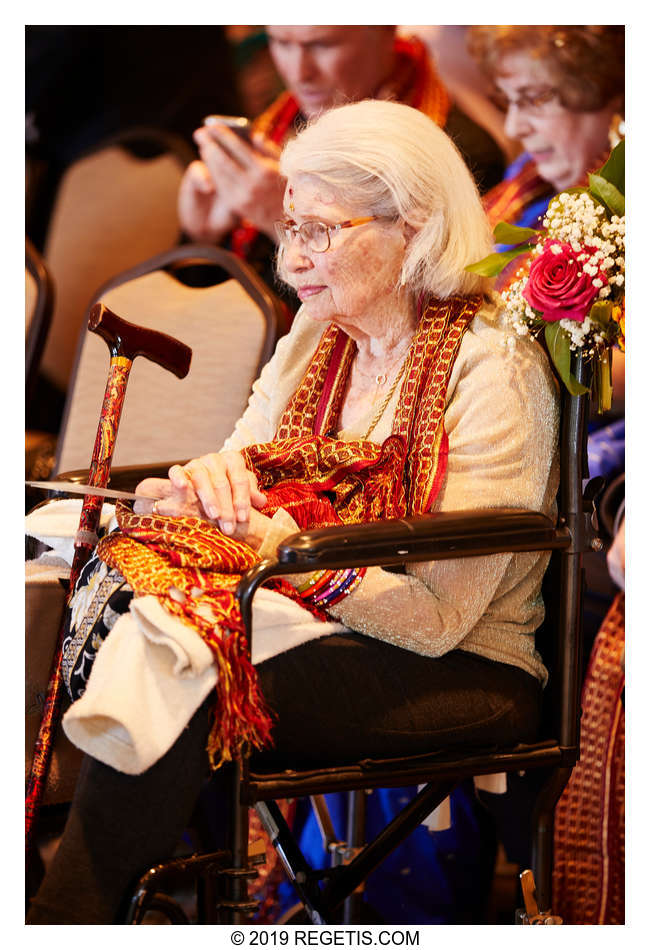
(238, 123)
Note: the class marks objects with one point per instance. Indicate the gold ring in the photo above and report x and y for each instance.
(154, 508)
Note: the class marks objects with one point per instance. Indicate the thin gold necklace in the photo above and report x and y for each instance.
(380, 379)
(387, 398)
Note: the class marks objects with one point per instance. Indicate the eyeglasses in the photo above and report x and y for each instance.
(533, 103)
(314, 234)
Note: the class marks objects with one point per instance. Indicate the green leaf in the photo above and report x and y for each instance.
(505, 233)
(613, 170)
(601, 312)
(559, 349)
(608, 194)
(493, 264)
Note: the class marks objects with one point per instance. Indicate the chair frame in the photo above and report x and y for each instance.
(396, 542)
(41, 318)
(162, 139)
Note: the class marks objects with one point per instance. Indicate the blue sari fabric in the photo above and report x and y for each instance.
(531, 216)
(606, 449)
(439, 877)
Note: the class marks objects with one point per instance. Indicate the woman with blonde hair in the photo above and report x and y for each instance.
(397, 391)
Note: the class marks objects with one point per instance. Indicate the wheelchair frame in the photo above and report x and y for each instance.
(223, 896)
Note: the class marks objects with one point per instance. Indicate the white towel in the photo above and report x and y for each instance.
(56, 523)
(144, 687)
(153, 671)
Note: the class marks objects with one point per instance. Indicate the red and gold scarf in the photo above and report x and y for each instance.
(413, 81)
(510, 198)
(194, 569)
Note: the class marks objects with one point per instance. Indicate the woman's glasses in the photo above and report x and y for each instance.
(314, 234)
(535, 103)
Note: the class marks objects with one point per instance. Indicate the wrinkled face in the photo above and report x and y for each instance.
(353, 283)
(329, 65)
(564, 144)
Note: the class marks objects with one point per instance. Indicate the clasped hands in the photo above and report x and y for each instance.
(233, 180)
(217, 487)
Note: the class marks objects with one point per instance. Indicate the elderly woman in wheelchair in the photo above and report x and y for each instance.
(398, 391)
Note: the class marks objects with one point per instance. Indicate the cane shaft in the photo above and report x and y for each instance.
(100, 463)
(85, 541)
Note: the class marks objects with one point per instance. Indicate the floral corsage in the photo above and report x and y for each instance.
(572, 284)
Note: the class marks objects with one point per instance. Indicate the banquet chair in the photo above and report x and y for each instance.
(40, 445)
(231, 326)
(208, 318)
(114, 207)
(39, 301)
(222, 877)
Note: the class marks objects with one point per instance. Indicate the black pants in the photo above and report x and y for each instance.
(337, 700)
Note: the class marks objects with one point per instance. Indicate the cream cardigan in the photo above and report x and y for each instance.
(502, 422)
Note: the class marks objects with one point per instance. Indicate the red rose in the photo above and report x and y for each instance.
(557, 286)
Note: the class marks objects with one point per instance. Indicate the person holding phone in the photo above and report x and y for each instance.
(233, 192)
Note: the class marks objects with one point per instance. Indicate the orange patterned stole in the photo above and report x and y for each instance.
(194, 569)
(418, 423)
(589, 845)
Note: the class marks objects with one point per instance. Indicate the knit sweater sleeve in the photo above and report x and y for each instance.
(501, 419)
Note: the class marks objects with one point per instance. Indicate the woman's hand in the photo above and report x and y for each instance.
(217, 487)
(223, 485)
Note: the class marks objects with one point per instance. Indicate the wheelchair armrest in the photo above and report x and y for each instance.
(440, 536)
(448, 534)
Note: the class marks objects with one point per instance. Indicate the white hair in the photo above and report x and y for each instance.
(391, 160)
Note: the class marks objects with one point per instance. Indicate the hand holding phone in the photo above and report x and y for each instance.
(238, 123)
(245, 174)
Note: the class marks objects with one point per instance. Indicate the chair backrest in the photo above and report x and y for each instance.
(39, 301)
(231, 326)
(114, 207)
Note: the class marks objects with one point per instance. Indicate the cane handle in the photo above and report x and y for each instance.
(128, 340)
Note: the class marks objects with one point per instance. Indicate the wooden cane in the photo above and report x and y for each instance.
(125, 342)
